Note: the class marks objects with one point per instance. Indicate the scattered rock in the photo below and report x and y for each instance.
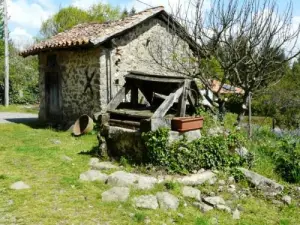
(103, 166)
(242, 152)
(180, 215)
(191, 193)
(220, 188)
(56, 142)
(276, 202)
(203, 207)
(66, 158)
(146, 202)
(236, 215)
(231, 189)
(116, 194)
(298, 189)
(261, 182)
(201, 170)
(212, 194)
(222, 182)
(121, 179)
(167, 201)
(196, 179)
(213, 201)
(212, 181)
(287, 199)
(145, 182)
(93, 175)
(223, 208)
(231, 180)
(20, 185)
(214, 221)
(147, 220)
(93, 161)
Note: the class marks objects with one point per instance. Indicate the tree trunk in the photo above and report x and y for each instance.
(243, 109)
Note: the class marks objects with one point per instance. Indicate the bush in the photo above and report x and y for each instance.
(287, 160)
(183, 157)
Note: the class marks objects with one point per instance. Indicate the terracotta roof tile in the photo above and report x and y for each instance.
(91, 33)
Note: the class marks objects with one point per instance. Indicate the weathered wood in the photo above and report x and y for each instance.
(120, 96)
(124, 122)
(145, 114)
(183, 98)
(155, 78)
(134, 97)
(167, 104)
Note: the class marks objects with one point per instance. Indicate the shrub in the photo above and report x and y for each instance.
(287, 160)
(183, 157)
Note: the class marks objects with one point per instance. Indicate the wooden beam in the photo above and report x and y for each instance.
(167, 104)
(183, 98)
(120, 96)
(134, 97)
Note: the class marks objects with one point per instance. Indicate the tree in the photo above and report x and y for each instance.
(245, 38)
(70, 16)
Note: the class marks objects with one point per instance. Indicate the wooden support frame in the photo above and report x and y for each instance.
(167, 104)
(120, 96)
(183, 99)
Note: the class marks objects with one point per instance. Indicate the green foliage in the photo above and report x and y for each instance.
(287, 159)
(139, 217)
(70, 16)
(183, 157)
(201, 221)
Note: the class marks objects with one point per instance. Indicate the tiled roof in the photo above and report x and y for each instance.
(226, 88)
(91, 33)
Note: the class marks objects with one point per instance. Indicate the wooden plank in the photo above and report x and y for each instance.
(120, 96)
(134, 97)
(161, 79)
(183, 98)
(167, 104)
(131, 113)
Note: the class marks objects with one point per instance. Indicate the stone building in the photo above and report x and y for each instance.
(82, 69)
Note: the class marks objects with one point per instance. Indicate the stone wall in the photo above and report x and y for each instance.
(75, 68)
(133, 51)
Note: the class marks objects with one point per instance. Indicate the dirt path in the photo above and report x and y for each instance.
(9, 117)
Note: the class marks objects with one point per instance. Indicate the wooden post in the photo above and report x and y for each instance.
(6, 95)
(249, 116)
(134, 95)
(182, 99)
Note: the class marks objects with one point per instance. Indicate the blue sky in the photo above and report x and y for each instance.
(26, 16)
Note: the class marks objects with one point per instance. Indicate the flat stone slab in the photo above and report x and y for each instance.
(145, 182)
(20, 185)
(196, 179)
(146, 202)
(167, 200)
(116, 194)
(122, 179)
(93, 175)
(93, 161)
(191, 193)
(261, 182)
(103, 166)
(203, 207)
(214, 201)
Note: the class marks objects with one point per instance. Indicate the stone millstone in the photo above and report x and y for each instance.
(191, 193)
(146, 202)
(196, 179)
(93, 175)
(167, 201)
(116, 194)
(20, 185)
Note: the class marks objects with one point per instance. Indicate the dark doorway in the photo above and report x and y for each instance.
(53, 96)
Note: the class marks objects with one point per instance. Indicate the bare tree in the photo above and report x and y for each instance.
(247, 43)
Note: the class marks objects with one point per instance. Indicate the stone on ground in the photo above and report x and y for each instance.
(93, 161)
(196, 179)
(93, 175)
(287, 199)
(122, 179)
(203, 207)
(223, 208)
(191, 193)
(116, 194)
(261, 182)
(236, 215)
(145, 182)
(103, 166)
(215, 131)
(167, 201)
(213, 201)
(242, 152)
(146, 202)
(66, 158)
(20, 185)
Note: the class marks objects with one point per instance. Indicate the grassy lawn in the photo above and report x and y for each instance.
(32, 154)
(20, 108)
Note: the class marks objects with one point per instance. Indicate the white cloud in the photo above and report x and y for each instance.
(29, 14)
(21, 38)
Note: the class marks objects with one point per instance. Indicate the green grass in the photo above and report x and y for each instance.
(58, 197)
(20, 108)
